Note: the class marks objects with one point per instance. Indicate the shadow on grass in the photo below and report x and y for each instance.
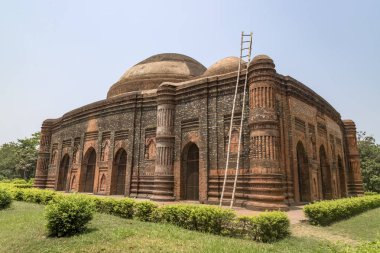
(84, 232)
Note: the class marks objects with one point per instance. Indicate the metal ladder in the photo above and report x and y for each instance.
(245, 54)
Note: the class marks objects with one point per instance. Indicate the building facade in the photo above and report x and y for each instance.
(162, 134)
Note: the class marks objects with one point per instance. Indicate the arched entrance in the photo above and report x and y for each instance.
(62, 174)
(87, 174)
(191, 172)
(342, 178)
(119, 172)
(303, 174)
(325, 174)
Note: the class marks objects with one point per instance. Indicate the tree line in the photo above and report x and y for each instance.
(19, 159)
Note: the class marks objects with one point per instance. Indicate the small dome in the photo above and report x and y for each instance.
(261, 57)
(223, 66)
(150, 73)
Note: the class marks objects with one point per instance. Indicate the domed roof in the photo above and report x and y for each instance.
(261, 57)
(223, 66)
(150, 73)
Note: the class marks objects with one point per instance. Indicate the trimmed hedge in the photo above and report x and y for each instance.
(328, 211)
(5, 199)
(266, 227)
(202, 218)
(145, 210)
(69, 215)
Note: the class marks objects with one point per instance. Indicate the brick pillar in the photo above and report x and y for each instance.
(266, 173)
(163, 174)
(355, 182)
(43, 155)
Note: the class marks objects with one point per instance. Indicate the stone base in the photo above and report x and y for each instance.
(40, 183)
(163, 188)
(262, 206)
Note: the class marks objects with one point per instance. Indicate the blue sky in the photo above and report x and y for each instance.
(58, 55)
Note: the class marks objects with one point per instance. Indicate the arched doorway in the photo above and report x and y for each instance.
(119, 172)
(88, 171)
(325, 174)
(342, 178)
(62, 174)
(303, 174)
(191, 172)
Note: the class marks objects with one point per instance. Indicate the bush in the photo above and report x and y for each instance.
(104, 205)
(5, 199)
(124, 208)
(368, 247)
(329, 211)
(32, 195)
(270, 226)
(19, 181)
(369, 193)
(266, 227)
(144, 210)
(69, 215)
(202, 218)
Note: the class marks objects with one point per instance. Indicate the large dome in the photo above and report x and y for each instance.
(150, 73)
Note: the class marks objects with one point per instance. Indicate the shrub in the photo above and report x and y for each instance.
(124, 208)
(202, 218)
(32, 195)
(368, 247)
(369, 193)
(270, 226)
(69, 215)
(19, 181)
(266, 227)
(5, 199)
(104, 205)
(23, 186)
(329, 211)
(144, 210)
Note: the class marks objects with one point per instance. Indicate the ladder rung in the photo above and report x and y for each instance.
(245, 56)
(246, 41)
(246, 34)
(245, 48)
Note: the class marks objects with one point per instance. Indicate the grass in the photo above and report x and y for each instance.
(22, 229)
(365, 226)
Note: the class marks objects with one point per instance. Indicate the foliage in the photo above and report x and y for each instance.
(367, 247)
(329, 211)
(5, 199)
(124, 208)
(19, 159)
(369, 193)
(203, 218)
(270, 226)
(68, 216)
(144, 210)
(22, 230)
(31, 195)
(370, 162)
(266, 227)
(104, 205)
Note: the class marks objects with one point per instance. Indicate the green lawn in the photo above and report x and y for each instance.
(365, 226)
(22, 229)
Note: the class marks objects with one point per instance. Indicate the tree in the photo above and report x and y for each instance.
(370, 161)
(19, 159)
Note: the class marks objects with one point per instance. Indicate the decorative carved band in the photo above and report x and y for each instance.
(265, 147)
(261, 97)
(165, 156)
